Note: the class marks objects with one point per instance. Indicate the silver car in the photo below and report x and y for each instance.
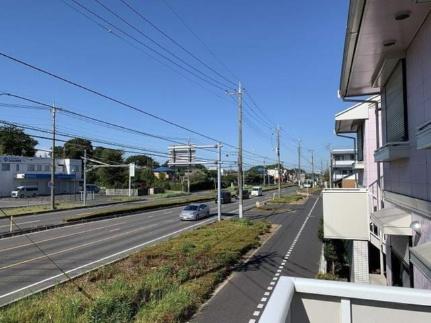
(193, 212)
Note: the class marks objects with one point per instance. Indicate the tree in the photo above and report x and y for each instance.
(58, 152)
(111, 177)
(13, 141)
(142, 160)
(74, 148)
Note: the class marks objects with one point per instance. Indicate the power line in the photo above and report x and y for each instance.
(206, 78)
(174, 41)
(200, 40)
(110, 31)
(119, 102)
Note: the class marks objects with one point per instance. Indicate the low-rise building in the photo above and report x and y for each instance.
(342, 161)
(36, 171)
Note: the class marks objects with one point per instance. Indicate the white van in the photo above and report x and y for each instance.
(256, 191)
(25, 191)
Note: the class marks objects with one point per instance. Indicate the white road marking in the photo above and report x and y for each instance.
(7, 225)
(59, 237)
(100, 260)
(78, 246)
(283, 263)
(256, 313)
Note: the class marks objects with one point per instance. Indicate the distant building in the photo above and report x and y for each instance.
(342, 161)
(36, 171)
(168, 172)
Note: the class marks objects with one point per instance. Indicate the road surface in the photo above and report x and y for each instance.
(53, 218)
(294, 250)
(81, 247)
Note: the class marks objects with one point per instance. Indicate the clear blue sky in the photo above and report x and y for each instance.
(286, 53)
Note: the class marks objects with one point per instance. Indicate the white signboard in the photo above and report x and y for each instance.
(182, 155)
(132, 170)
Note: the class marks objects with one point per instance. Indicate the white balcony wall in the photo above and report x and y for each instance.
(297, 300)
(346, 213)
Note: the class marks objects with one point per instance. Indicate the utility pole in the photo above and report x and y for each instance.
(299, 163)
(240, 175)
(312, 165)
(264, 172)
(52, 184)
(278, 161)
(85, 178)
(219, 182)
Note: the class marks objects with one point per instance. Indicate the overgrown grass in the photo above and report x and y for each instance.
(163, 283)
(287, 199)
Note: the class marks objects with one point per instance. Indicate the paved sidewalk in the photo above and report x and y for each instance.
(293, 250)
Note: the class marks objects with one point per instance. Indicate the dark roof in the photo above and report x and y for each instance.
(163, 169)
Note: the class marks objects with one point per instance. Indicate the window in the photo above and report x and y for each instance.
(38, 168)
(47, 168)
(17, 167)
(395, 105)
(30, 168)
(5, 167)
(360, 142)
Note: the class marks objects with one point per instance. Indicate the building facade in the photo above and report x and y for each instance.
(387, 51)
(36, 171)
(342, 161)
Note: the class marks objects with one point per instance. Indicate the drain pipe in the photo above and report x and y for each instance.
(377, 109)
(355, 153)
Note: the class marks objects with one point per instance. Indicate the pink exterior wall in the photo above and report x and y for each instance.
(370, 170)
(412, 176)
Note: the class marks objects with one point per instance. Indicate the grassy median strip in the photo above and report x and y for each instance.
(166, 282)
(150, 205)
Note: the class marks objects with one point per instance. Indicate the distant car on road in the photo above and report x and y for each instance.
(25, 191)
(193, 212)
(93, 188)
(226, 197)
(256, 191)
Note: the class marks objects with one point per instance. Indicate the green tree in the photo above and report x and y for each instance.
(142, 160)
(111, 177)
(13, 141)
(58, 152)
(74, 148)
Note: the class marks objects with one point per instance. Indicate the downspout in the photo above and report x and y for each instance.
(376, 110)
(356, 153)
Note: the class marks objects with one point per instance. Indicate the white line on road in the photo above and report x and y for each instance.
(7, 225)
(100, 260)
(260, 306)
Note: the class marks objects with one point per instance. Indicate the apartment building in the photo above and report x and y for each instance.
(400, 71)
(357, 123)
(342, 161)
(36, 171)
(387, 52)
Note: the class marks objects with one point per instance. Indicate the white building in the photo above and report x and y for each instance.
(36, 171)
(342, 161)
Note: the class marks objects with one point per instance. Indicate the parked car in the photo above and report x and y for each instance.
(193, 212)
(93, 188)
(25, 191)
(226, 197)
(256, 191)
(245, 194)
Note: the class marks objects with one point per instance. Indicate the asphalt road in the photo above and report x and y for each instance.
(24, 268)
(52, 218)
(294, 250)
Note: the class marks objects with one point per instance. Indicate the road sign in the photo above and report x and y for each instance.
(182, 155)
(132, 169)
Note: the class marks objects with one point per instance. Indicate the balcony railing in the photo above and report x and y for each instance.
(298, 300)
(346, 214)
